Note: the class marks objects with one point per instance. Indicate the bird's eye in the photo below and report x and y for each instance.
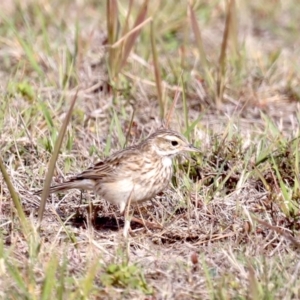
(174, 143)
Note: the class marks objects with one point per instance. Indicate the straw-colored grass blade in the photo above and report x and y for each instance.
(198, 36)
(222, 58)
(171, 110)
(129, 43)
(126, 24)
(112, 20)
(53, 160)
(157, 73)
(202, 54)
(112, 35)
(233, 28)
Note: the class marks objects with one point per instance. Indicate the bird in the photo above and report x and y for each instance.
(138, 172)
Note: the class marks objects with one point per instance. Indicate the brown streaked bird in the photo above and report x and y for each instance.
(139, 172)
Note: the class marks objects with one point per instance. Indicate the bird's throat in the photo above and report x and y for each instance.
(167, 161)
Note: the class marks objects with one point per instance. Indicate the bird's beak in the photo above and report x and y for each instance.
(192, 148)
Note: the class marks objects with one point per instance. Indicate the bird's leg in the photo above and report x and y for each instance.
(145, 223)
(141, 221)
(77, 214)
(126, 215)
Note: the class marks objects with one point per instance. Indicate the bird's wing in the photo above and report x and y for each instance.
(98, 171)
(120, 164)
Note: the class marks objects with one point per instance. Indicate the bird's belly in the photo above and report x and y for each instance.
(139, 188)
(116, 192)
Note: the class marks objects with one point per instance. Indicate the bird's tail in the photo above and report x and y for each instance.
(81, 184)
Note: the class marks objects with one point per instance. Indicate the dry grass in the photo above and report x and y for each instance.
(231, 218)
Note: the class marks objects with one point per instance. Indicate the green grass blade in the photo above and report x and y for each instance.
(18, 278)
(61, 278)
(47, 115)
(129, 128)
(16, 199)
(49, 281)
(108, 141)
(120, 133)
